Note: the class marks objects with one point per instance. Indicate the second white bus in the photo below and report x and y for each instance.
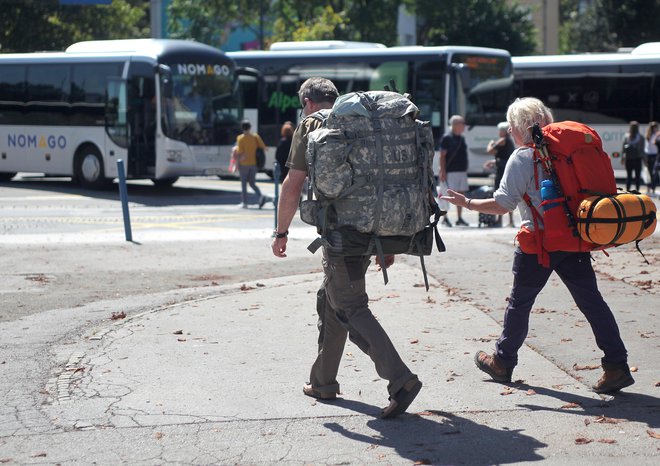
(474, 82)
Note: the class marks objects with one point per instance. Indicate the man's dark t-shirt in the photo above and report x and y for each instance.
(456, 158)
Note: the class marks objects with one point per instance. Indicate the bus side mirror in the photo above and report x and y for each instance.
(463, 75)
(255, 74)
(165, 73)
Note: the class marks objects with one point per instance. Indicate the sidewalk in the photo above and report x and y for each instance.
(218, 381)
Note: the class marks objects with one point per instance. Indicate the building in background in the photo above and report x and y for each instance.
(545, 16)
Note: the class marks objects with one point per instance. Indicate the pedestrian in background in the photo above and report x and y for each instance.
(651, 151)
(633, 147)
(342, 303)
(246, 154)
(283, 148)
(529, 277)
(501, 148)
(454, 163)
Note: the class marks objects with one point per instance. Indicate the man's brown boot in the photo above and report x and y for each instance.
(614, 378)
(492, 366)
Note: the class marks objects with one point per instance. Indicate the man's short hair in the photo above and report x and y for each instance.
(456, 119)
(318, 90)
(503, 126)
(245, 125)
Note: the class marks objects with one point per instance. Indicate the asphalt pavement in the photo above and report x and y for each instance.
(214, 375)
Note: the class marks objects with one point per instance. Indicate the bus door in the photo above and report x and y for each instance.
(116, 121)
(141, 119)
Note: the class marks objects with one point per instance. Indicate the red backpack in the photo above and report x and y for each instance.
(572, 156)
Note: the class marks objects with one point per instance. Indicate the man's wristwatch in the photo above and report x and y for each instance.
(278, 235)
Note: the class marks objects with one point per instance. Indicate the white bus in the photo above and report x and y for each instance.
(169, 108)
(471, 81)
(605, 91)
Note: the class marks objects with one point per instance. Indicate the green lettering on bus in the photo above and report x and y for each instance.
(282, 101)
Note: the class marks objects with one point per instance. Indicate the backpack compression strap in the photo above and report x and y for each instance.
(541, 253)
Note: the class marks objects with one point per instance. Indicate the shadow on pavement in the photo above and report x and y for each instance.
(147, 195)
(436, 437)
(625, 405)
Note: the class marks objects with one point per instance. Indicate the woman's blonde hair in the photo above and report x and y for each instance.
(524, 112)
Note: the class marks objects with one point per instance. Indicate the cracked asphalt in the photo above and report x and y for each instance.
(191, 345)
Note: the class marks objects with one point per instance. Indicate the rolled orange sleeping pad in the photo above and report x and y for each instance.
(618, 219)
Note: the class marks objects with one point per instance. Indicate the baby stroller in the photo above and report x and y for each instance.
(484, 192)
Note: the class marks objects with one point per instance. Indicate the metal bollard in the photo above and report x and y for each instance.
(123, 196)
(276, 179)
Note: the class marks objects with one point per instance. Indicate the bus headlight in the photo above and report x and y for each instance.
(174, 155)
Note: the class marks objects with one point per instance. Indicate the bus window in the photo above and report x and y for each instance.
(594, 99)
(88, 85)
(488, 93)
(203, 109)
(428, 93)
(116, 112)
(396, 71)
(12, 95)
(48, 94)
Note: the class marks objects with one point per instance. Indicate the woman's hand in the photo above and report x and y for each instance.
(455, 198)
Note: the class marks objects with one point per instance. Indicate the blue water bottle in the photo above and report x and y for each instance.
(549, 192)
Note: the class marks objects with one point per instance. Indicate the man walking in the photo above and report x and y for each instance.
(342, 302)
(454, 163)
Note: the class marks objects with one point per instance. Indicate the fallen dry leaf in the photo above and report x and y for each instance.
(180, 339)
(414, 341)
(587, 422)
(508, 391)
(158, 435)
(588, 367)
(118, 315)
(566, 340)
(530, 392)
(5, 460)
(633, 369)
(653, 434)
(602, 419)
(39, 455)
(582, 441)
(606, 440)
(392, 295)
(178, 332)
(571, 406)
(245, 287)
(657, 384)
(423, 461)
(430, 300)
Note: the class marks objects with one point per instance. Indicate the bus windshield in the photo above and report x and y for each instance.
(201, 106)
(485, 88)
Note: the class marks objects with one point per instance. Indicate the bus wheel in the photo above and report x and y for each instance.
(164, 182)
(6, 176)
(89, 169)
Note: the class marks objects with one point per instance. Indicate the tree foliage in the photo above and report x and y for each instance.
(31, 25)
(606, 25)
(474, 22)
(210, 21)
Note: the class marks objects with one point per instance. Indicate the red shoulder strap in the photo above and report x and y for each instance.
(541, 253)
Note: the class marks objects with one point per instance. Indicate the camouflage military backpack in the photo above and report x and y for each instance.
(370, 169)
